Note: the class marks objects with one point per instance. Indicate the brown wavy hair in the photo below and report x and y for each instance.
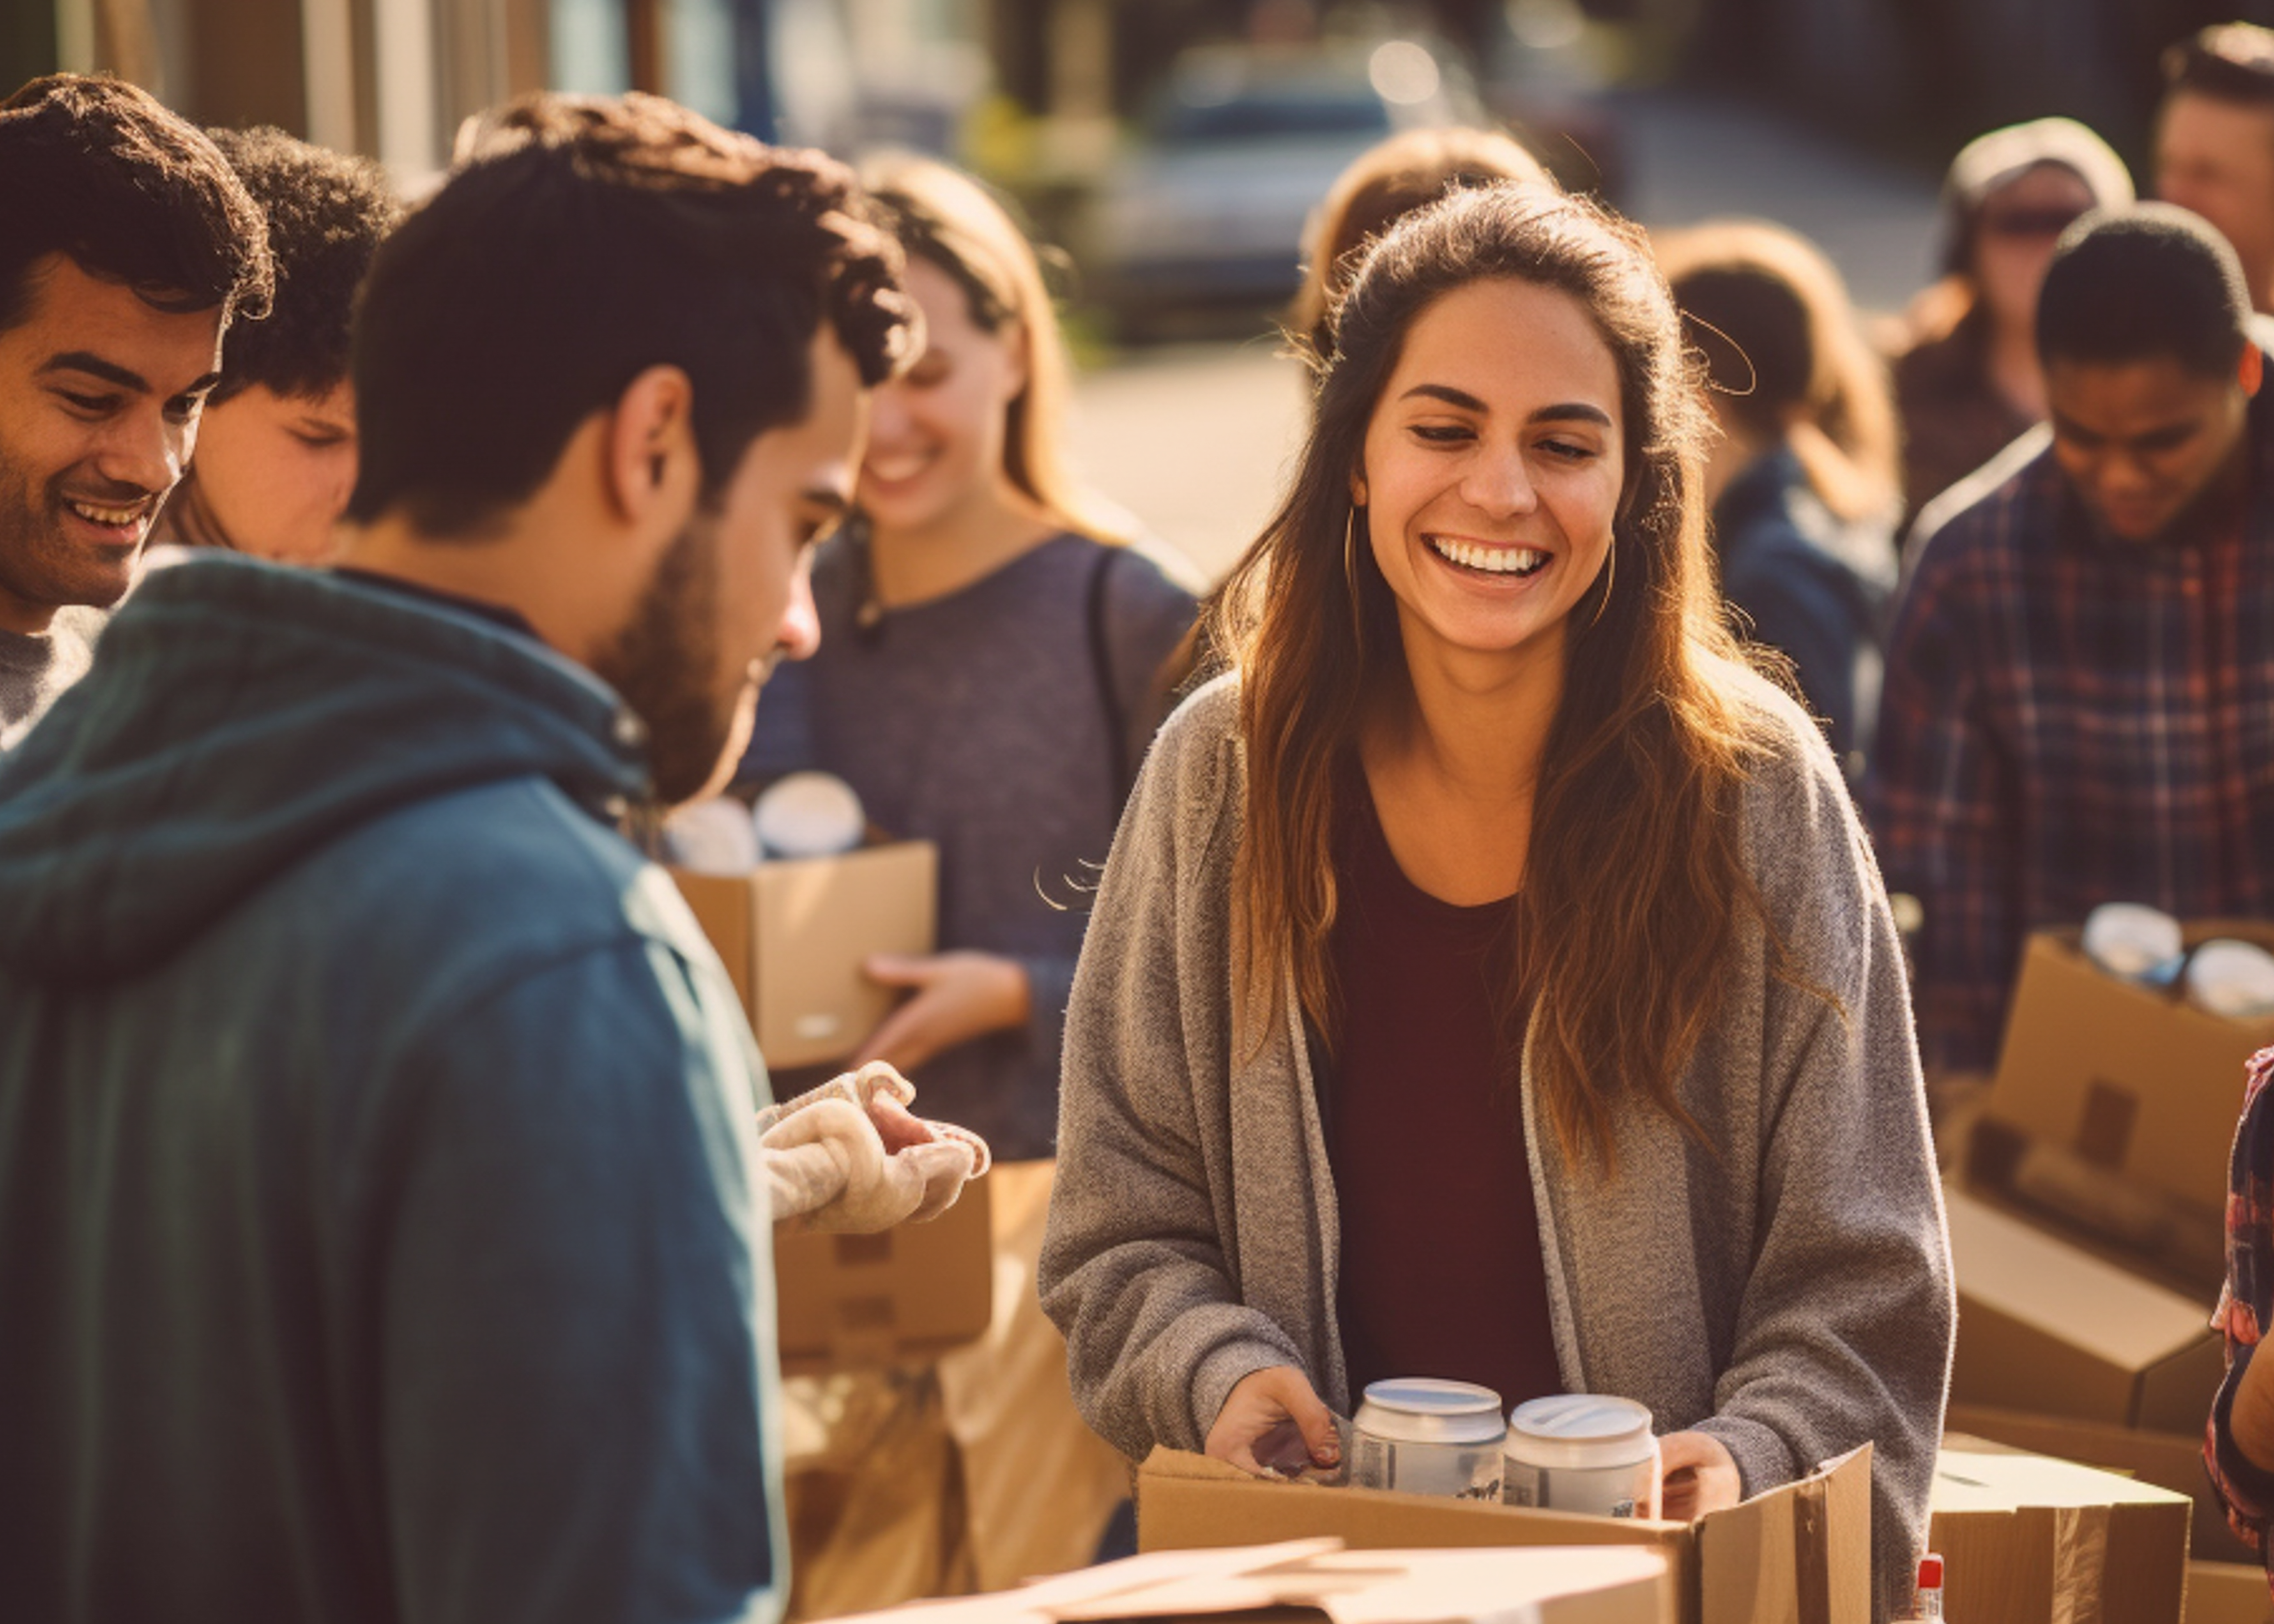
(1636, 882)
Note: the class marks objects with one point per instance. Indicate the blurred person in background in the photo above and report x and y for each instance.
(2078, 676)
(129, 247)
(387, 1219)
(2239, 1443)
(276, 451)
(2215, 141)
(1491, 981)
(1966, 376)
(1802, 483)
(1386, 183)
(991, 660)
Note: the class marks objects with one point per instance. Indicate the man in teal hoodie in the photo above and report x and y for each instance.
(380, 1235)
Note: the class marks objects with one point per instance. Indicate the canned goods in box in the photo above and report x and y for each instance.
(1425, 1436)
(1580, 1452)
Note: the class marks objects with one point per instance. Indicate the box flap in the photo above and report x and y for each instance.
(2041, 1281)
(1801, 1551)
(1973, 1474)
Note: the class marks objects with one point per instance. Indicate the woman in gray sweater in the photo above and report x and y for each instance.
(1490, 979)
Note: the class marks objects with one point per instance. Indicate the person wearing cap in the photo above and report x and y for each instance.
(2079, 675)
(1967, 379)
(2215, 141)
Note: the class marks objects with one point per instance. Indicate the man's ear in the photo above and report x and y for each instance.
(653, 467)
(2252, 372)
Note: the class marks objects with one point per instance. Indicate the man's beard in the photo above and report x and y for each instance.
(665, 664)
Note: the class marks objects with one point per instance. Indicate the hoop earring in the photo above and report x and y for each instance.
(1349, 572)
(1610, 575)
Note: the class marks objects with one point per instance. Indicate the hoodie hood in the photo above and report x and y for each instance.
(241, 715)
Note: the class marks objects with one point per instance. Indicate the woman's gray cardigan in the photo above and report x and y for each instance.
(1791, 1295)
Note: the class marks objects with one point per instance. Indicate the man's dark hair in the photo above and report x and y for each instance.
(2151, 280)
(97, 169)
(2227, 62)
(327, 212)
(585, 240)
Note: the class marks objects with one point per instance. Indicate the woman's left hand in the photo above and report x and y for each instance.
(1700, 1476)
(958, 997)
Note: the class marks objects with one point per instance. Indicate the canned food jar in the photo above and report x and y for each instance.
(1424, 1436)
(1581, 1452)
(2231, 978)
(2134, 943)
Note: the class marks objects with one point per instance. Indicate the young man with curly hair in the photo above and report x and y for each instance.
(276, 453)
(127, 247)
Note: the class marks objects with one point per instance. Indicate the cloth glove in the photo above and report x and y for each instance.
(849, 1156)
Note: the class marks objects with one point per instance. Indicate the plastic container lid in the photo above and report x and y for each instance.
(712, 836)
(2231, 978)
(1580, 1429)
(2131, 940)
(810, 814)
(1930, 1573)
(1426, 1409)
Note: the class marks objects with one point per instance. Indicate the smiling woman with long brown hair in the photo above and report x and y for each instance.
(1490, 980)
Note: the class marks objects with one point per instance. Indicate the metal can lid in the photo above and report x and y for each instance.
(1428, 1409)
(1580, 1417)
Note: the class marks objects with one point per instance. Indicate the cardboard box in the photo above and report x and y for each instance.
(2029, 1540)
(857, 1302)
(1315, 1580)
(2227, 1593)
(2045, 1327)
(2134, 1080)
(1799, 1554)
(2170, 1461)
(793, 934)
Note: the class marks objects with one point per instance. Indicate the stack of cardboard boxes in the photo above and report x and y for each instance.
(2086, 1228)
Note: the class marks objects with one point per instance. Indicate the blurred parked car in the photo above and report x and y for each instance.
(1242, 143)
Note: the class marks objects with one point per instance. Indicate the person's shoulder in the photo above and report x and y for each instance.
(1790, 768)
(470, 885)
(2010, 501)
(1199, 745)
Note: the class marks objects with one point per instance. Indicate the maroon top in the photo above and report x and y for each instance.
(1442, 1274)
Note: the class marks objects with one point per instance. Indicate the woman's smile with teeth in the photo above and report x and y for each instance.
(899, 465)
(1491, 561)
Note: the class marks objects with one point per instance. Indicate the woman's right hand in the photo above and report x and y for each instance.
(1261, 1401)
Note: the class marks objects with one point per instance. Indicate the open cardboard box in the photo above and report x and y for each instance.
(1317, 1580)
(1798, 1554)
(2031, 1540)
(2136, 1081)
(860, 1302)
(2170, 1461)
(793, 933)
(2048, 1328)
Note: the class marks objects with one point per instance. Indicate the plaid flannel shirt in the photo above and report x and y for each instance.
(2247, 1491)
(2069, 720)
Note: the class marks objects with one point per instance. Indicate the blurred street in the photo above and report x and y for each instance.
(1193, 438)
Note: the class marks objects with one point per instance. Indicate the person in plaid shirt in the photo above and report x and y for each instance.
(2239, 1442)
(2079, 705)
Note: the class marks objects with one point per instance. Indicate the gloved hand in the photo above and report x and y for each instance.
(849, 1156)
